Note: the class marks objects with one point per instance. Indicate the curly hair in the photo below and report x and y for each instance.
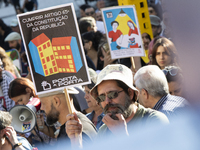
(5, 119)
(7, 63)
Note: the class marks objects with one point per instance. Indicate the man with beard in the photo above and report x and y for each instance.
(115, 93)
(56, 109)
(15, 42)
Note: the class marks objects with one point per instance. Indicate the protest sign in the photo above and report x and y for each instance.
(123, 33)
(13, 54)
(53, 46)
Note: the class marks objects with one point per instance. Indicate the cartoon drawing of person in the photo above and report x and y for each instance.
(132, 32)
(114, 35)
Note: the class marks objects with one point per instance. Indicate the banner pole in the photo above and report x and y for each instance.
(132, 63)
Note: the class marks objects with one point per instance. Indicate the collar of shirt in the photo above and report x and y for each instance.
(160, 102)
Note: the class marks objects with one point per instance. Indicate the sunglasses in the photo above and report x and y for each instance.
(172, 71)
(110, 95)
(90, 13)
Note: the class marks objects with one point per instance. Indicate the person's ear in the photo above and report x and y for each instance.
(145, 93)
(28, 90)
(90, 44)
(56, 101)
(89, 29)
(131, 93)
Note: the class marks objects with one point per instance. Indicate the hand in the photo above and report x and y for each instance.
(107, 58)
(114, 125)
(40, 121)
(11, 134)
(74, 129)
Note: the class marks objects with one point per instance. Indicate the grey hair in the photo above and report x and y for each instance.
(153, 80)
(5, 119)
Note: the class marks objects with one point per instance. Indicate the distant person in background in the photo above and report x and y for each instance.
(156, 25)
(91, 42)
(15, 41)
(15, 26)
(164, 53)
(4, 31)
(6, 3)
(5, 78)
(146, 40)
(155, 9)
(87, 24)
(8, 64)
(91, 12)
(100, 4)
(30, 5)
(16, 4)
(104, 55)
(98, 16)
(82, 10)
(97, 112)
(175, 80)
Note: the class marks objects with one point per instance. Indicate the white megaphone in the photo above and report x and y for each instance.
(24, 116)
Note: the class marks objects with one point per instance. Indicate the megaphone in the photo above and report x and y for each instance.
(24, 116)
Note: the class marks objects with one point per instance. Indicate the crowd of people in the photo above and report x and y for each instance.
(119, 100)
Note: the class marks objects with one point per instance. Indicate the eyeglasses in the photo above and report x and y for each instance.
(172, 71)
(89, 13)
(110, 95)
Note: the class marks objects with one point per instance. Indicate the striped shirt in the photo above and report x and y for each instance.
(170, 105)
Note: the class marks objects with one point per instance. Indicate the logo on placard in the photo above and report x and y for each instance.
(109, 14)
(46, 85)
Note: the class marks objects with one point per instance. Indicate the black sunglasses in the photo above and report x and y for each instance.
(90, 13)
(110, 95)
(172, 71)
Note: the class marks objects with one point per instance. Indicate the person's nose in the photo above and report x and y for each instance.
(86, 95)
(107, 100)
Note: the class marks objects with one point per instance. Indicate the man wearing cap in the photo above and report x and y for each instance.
(115, 93)
(56, 108)
(15, 26)
(156, 25)
(14, 41)
(154, 91)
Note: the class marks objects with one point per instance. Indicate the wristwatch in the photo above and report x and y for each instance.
(16, 145)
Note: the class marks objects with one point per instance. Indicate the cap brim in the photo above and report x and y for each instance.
(114, 76)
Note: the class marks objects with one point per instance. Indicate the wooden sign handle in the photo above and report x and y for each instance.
(132, 63)
(68, 101)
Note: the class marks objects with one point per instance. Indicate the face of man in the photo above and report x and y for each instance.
(82, 13)
(50, 111)
(146, 40)
(120, 104)
(152, 11)
(99, 16)
(90, 12)
(14, 44)
(155, 30)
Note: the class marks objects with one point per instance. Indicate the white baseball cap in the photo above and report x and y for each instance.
(13, 36)
(115, 72)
